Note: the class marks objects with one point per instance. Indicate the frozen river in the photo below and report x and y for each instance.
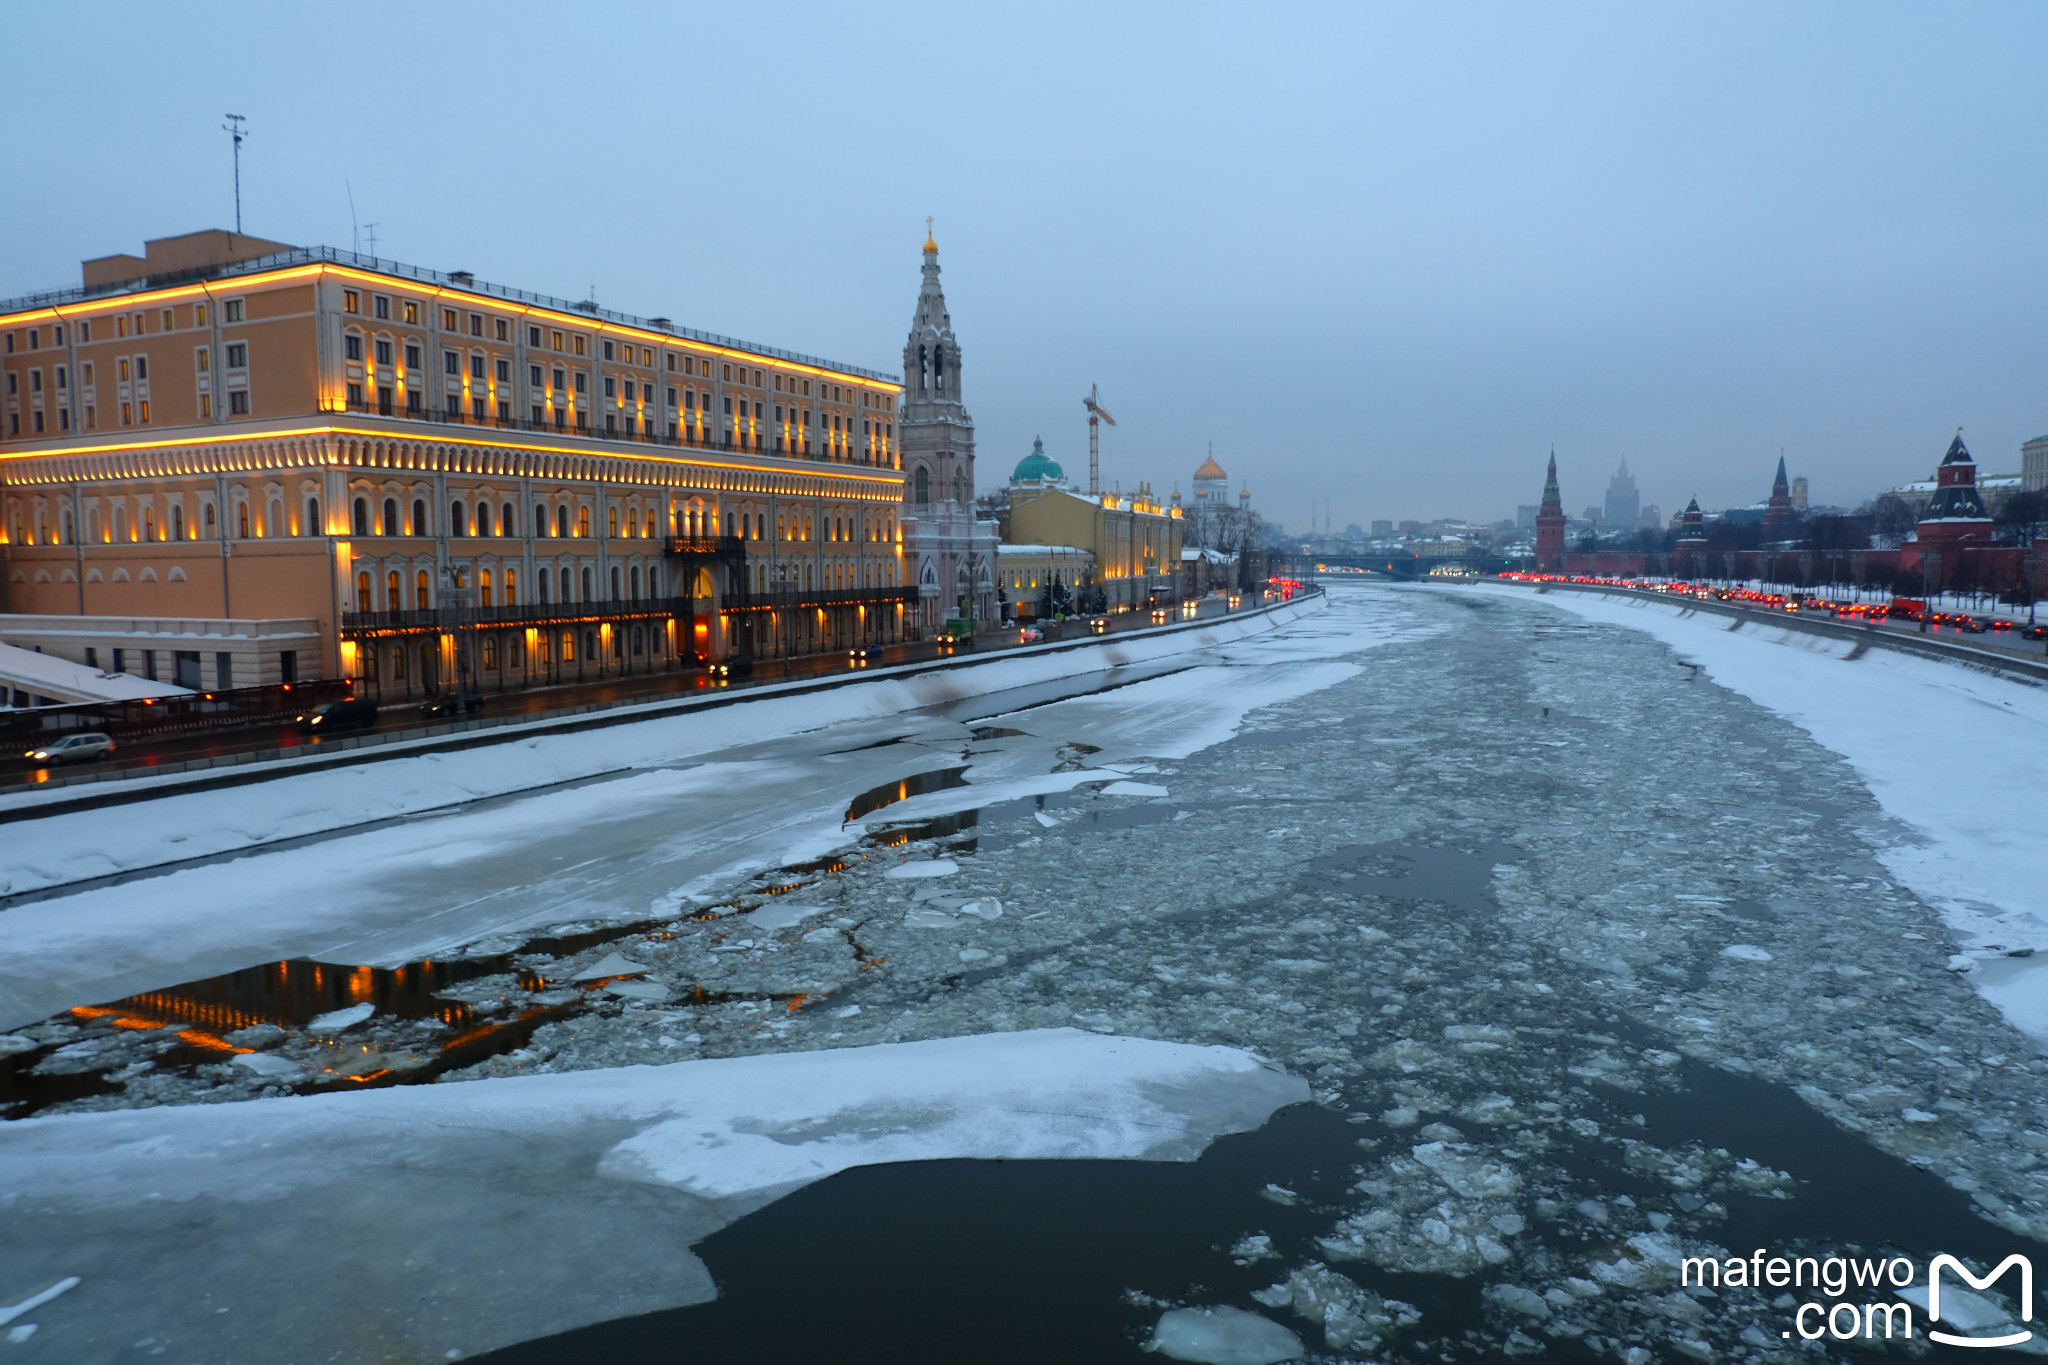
(1578, 963)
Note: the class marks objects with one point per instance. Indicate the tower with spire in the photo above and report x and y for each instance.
(1956, 511)
(1550, 524)
(1624, 503)
(1779, 515)
(952, 554)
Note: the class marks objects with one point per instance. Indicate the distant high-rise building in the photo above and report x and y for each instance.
(1383, 527)
(1799, 492)
(1525, 516)
(2034, 465)
(1624, 503)
(1411, 528)
(1652, 517)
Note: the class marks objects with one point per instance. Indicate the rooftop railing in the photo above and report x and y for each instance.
(440, 279)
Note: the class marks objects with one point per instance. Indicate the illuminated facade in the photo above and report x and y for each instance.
(445, 477)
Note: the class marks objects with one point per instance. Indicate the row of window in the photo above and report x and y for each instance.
(621, 524)
(501, 588)
(231, 311)
(556, 339)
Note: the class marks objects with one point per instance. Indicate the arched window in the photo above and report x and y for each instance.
(209, 521)
(419, 517)
(242, 520)
(391, 527)
(636, 583)
(650, 525)
(508, 521)
(177, 522)
(921, 483)
(511, 587)
(483, 519)
(746, 525)
(562, 522)
(120, 524)
(148, 523)
(923, 366)
(364, 601)
(728, 523)
(458, 520)
(483, 584)
(540, 520)
(587, 577)
(653, 581)
(612, 524)
(391, 590)
(939, 368)
(491, 652)
(583, 523)
(422, 590)
(616, 594)
(542, 583)
(313, 526)
(361, 513)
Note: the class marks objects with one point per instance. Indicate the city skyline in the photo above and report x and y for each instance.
(1680, 242)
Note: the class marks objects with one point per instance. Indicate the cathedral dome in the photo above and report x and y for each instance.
(1038, 467)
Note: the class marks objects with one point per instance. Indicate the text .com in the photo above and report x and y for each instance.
(1891, 1292)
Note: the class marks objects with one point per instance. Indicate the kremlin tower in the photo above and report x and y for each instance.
(1550, 525)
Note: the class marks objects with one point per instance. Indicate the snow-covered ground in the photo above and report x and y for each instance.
(1958, 756)
(182, 825)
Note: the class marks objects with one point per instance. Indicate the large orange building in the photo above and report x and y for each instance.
(238, 462)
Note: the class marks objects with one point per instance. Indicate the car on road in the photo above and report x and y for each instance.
(452, 704)
(861, 654)
(71, 748)
(2035, 633)
(337, 715)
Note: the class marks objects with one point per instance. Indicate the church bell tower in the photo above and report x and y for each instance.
(951, 554)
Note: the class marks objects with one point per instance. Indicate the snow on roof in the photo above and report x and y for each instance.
(1042, 550)
(1213, 556)
(46, 675)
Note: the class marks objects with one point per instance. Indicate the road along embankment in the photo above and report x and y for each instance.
(74, 838)
(2005, 660)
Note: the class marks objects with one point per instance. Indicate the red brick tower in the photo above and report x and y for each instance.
(1956, 511)
(1779, 516)
(1550, 525)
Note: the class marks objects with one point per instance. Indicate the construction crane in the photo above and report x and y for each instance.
(1096, 414)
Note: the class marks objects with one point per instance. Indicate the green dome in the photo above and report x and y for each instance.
(1037, 467)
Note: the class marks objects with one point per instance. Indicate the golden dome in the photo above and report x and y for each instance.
(931, 244)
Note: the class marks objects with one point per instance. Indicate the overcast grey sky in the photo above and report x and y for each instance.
(1385, 255)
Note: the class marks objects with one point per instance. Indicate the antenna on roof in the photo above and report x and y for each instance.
(355, 233)
(233, 127)
(370, 231)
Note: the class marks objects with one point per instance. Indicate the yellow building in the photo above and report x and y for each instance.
(442, 476)
(1134, 541)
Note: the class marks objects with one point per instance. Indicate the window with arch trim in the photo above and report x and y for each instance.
(242, 521)
(458, 520)
(361, 517)
(422, 590)
(313, 526)
(921, 485)
(419, 517)
(391, 527)
(364, 601)
(562, 523)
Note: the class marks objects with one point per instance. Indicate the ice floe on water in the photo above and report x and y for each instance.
(622, 1168)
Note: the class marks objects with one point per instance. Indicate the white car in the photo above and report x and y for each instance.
(89, 745)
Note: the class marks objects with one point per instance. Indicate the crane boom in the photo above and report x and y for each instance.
(1096, 412)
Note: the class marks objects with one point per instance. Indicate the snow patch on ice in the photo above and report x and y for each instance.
(1133, 789)
(930, 867)
(337, 1020)
(1223, 1336)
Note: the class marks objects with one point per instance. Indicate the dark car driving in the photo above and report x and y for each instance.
(338, 715)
